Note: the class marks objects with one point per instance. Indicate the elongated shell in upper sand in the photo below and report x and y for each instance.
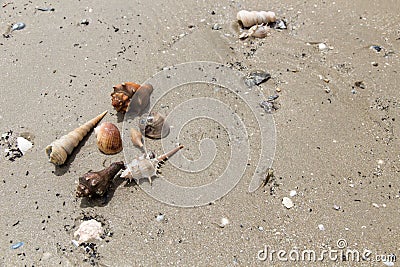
(59, 150)
(250, 18)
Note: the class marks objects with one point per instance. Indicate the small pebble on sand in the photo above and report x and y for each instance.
(287, 202)
(160, 217)
(224, 222)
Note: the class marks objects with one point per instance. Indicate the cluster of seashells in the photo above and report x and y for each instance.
(125, 96)
(258, 23)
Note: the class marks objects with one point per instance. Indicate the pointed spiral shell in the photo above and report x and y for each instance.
(250, 18)
(59, 150)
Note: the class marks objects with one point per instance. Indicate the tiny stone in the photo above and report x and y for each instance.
(256, 78)
(287, 202)
(322, 46)
(375, 205)
(224, 222)
(160, 217)
(260, 228)
(17, 245)
(321, 227)
(292, 193)
(216, 27)
(377, 48)
(75, 243)
(360, 84)
(375, 64)
(336, 207)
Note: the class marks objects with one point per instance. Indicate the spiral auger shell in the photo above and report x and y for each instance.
(60, 149)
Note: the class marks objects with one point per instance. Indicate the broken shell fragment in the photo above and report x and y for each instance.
(154, 125)
(141, 99)
(17, 26)
(59, 150)
(97, 183)
(108, 138)
(250, 18)
(89, 230)
(259, 31)
(256, 77)
(122, 94)
(23, 144)
(136, 137)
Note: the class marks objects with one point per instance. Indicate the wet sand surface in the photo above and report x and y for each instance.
(337, 144)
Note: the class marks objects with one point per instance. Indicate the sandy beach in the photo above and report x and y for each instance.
(332, 143)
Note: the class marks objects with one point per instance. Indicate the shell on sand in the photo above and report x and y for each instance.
(136, 137)
(141, 99)
(97, 183)
(122, 95)
(108, 138)
(144, 167)
(154, 125)
(250, 18)
(59, 150)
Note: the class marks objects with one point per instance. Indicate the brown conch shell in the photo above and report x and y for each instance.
(59, 150)
(154, 125)
(97, 183)
(136, 137)
(108, 138)
(141, 99)
(144, 167)
(250, 18)
(122, 95)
